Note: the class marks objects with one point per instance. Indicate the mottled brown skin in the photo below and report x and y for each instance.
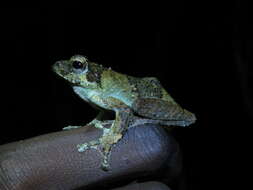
(134, 101)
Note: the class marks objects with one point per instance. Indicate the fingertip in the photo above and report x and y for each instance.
(143, 146)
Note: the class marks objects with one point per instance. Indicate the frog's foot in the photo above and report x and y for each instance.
(70, 127)
(100, 124)
(96, 123)
(104, 145)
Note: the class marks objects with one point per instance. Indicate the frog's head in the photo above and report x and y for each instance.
(79, 71)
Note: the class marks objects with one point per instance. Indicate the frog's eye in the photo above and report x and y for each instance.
(77, 65)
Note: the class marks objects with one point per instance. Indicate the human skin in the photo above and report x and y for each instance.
(52, 162)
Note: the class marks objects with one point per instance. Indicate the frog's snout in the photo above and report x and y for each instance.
(60, 68)
(57, 64)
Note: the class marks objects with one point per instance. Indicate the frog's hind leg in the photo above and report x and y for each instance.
(143, 121)
(110, 136)
(169, 113)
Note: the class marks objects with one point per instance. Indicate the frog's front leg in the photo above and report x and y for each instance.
(95, 122)
(99, 121)
(158, 111)
(112, 135)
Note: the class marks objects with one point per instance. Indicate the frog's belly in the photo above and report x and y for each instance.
(102, 99)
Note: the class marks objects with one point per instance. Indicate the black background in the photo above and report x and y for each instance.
(201, 52)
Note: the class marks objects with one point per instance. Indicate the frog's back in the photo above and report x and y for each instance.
(128, 88)
(150, 87)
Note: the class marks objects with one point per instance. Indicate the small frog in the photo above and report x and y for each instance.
(134, 101)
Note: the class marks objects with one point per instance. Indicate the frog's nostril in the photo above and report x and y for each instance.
(58, 63)
(56, 66)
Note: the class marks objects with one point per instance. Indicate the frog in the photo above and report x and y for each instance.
(134, 101)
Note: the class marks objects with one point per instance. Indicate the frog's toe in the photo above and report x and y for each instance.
(105, 166)
(82, 147)
(70, 127)
(86, 146)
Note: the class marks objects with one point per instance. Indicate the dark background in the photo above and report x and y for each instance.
(201, 52)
